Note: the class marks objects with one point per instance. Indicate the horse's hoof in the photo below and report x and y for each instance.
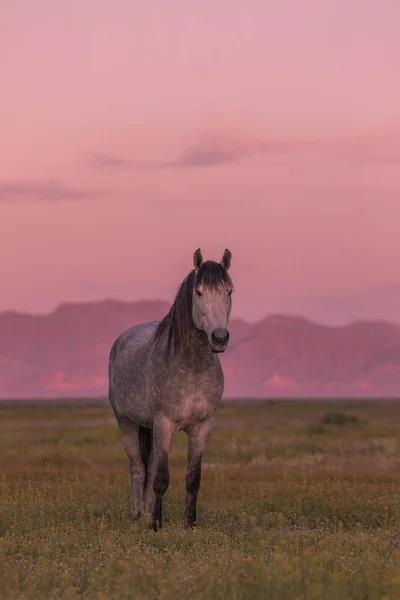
(155, 526)
(190, 524)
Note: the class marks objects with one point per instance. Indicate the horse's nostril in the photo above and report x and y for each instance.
(220, 336)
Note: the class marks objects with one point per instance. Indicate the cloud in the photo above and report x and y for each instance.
(49, 191)
(197, 157)
(205, 154)
(221, 150)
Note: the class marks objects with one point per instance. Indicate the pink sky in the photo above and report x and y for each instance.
(131, 133)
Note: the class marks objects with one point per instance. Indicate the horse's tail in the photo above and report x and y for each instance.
(112, 357)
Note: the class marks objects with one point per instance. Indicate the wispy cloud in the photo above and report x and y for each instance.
(197, 157)
(202, 155)
(218, 152)
(205, 156)
(49, 191)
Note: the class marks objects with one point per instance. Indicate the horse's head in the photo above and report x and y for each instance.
(211, 304)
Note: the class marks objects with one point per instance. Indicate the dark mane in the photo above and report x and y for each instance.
(179, 322)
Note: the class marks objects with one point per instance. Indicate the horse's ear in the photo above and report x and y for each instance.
(197, 259)
(226, 259)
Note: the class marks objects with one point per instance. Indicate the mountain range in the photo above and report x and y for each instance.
(65, 353)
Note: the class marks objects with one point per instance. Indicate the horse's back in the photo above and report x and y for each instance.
(132, 340)
(128, 357)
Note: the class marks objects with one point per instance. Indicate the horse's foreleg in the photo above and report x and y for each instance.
(158, 471)
(130, 442)
(198, 438)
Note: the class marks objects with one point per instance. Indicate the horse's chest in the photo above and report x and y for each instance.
(189, 396)
(194, 407)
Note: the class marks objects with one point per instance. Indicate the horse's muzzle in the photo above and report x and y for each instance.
(219, 340)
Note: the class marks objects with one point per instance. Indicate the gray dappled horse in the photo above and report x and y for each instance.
(165, 376)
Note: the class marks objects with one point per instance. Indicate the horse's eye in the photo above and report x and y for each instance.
(230, 293)
(199, 293)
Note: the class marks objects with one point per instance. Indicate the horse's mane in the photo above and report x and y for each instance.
(178, 323)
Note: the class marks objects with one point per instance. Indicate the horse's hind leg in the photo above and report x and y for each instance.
(198, 438)
(131, 443)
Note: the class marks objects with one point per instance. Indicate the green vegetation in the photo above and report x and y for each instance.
(291, 506)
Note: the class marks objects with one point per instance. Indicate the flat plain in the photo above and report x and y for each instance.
(299, 500)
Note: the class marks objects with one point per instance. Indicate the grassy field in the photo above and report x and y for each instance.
(299, 500)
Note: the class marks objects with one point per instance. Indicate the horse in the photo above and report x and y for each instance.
(166, 376)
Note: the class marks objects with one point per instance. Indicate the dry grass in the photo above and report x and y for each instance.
(292, 505)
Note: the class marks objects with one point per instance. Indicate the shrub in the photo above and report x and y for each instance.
(333, 418)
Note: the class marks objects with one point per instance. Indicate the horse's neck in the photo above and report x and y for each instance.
(197, 355)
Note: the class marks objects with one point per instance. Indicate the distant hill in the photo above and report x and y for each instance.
(65, 353)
